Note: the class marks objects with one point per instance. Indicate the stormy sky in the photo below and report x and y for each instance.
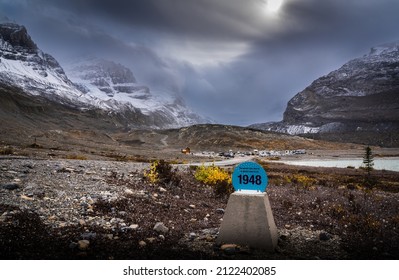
(235, 61)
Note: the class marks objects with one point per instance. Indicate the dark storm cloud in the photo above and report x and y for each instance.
(230, 59)
(203, 18)
(319, 36)
(348, 21)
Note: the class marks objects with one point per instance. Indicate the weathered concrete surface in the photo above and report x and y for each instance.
(248, 220)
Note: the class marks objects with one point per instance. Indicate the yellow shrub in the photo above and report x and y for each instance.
(216, 177)
(152, 174)
(212, 174)
(303, 180)
(78, 157)
(161, 172)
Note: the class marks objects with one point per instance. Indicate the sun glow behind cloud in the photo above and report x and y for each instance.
(273, 6)
(202, 54)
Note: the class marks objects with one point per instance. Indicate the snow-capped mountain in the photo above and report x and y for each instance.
(24, 65)
(363, 95)
(115, 84)
(93, 84)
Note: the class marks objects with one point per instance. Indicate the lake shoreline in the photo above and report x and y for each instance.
(381, 163)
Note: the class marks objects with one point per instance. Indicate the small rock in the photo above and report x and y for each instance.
(125, 229)
(151, 239)
(287, 226)
(134, 226)
(88, 235)
(10, 187)
(83, 244)
(128, 191)
(211, 231)
(162, 189)
(192, 235)
(110, 236)
(227, 246)
(209, 238)
(82, 222)
(162, 237)
(26, 197)
(283, 237)
(65, 170)
(192, 206)
(193, 220)
(28, 188)
(142, 243)
(324, 236)
(230, 249)
(73, 245)
(160, 228)
(122, 213)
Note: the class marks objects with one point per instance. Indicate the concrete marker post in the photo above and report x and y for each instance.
(248, 218)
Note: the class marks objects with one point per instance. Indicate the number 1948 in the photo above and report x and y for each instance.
(254, 180)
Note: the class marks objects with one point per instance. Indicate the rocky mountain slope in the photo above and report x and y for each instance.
(359, 98)
(115, 84)
(99, 86)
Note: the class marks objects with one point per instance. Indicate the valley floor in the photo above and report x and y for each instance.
(85, 209)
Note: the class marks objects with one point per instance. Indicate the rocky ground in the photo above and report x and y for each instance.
(84, 209)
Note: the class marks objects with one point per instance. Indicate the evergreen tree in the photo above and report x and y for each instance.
(368, 160)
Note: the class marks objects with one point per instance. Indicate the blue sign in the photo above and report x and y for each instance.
(250, 176)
